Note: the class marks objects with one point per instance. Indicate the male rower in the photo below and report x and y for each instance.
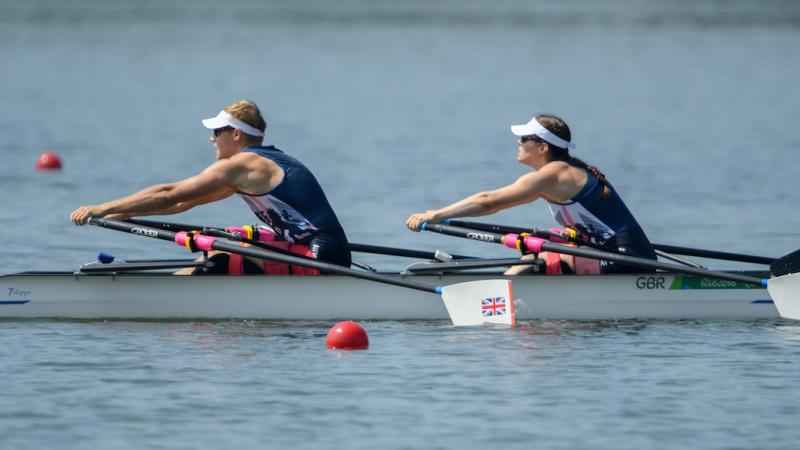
(579, 197)
(279, 189)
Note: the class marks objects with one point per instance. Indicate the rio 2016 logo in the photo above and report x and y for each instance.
(717, 284)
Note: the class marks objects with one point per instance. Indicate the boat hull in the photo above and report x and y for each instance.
(163, 296)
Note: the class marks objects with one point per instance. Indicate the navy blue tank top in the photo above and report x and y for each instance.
(297, 209)
(607, 222)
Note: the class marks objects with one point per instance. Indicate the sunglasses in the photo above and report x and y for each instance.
(218, 131)
(530, 137)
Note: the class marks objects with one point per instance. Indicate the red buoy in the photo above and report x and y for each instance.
(48, 161)
(347, 336)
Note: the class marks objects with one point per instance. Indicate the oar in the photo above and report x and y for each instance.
(538, 245)
(470, 303)
(219, 232)
(131, 266)
(686, 251)
(558, 237)
(784, 290)
(356, 247)
(470, 264)
(402, 252)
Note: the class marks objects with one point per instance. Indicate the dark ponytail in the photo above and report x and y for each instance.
(558, 127)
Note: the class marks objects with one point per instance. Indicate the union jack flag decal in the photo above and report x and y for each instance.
(495, 306)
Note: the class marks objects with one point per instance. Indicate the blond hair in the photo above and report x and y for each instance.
(248, 112)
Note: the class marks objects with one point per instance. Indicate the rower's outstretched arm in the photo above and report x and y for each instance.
(525, 189)
(213, 183)
(176, 208)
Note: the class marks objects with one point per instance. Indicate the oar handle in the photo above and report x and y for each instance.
(553, 235)
(197, 242)
(537, 245)
(239, 234)
(494, 228)
(170, 226)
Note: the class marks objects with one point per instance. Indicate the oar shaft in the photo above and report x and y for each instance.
(402, 252)
(494, 228)
(204, 242)
(356, 247)
(170, 226)
(537, 245)
(469, 265)
(136, 266)
(713, 254)
(686, 251)
(648, 263)
(506, 229)
(450, 230)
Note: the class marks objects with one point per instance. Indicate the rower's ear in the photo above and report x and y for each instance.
(544, 148)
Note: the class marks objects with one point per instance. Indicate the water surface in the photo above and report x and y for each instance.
(690, 108)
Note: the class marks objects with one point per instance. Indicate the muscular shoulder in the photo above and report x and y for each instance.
(555, 168)
(563, 173)
(547, 174)
(245, 158)
(242, 162)
(553, 181)
(230, 170)
(563, 181)
(254, 174)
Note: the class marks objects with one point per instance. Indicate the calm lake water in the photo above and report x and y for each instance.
(690, 108)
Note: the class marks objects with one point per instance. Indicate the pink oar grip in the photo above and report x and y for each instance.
(200, 241)
(510, 240)
(203, 242)
(534, 244)
(180, 238)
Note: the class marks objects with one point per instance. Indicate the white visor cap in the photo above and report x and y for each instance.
(533, 127)
(225, 119)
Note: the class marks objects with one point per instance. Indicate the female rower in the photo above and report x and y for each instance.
(579, 197)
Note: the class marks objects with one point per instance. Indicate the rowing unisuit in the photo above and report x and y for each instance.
(607, 222)
(298, 211)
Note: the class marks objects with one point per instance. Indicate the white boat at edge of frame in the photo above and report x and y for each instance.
(331, 297)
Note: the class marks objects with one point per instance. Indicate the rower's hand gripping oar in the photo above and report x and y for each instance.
(470, 303)
(784, 290)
